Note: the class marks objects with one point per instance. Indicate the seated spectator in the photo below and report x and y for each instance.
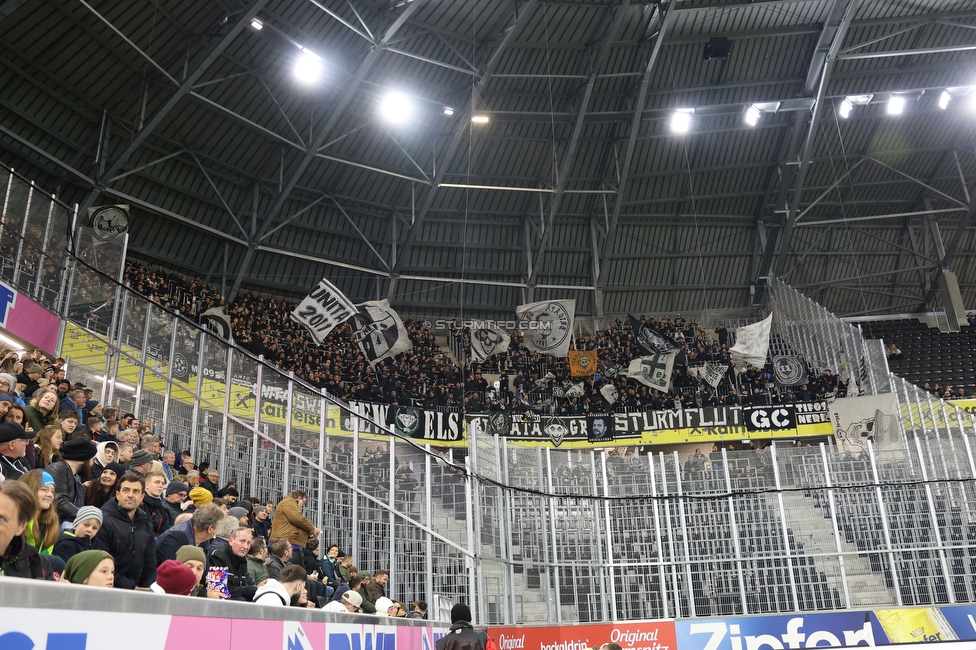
(349, 602)
(200, 497)
(418, 609)
(310, 558)
(68, 423)
(43, 409)
(199, 530)
(209, 481)
(279, 554)
(172, 577)
(18, 559)
(345, 568)
(225, 530)
(262, 525)
(106, 452)
(127, 534)
(48, 447)
(289, 522)
(94, 425)
(241, 514)
(168, 458)
(99, 491)
(369, 602)
(233, 557)
(13, 450)
(176, 493)
(353, 584)
(384, 606)
(42, 530)
(160, 516)
(256, 557)
(193, 558)
(81, 536)
(92, 568)
(141, 463)
(330, 566)
(70, 473)
(285, 590)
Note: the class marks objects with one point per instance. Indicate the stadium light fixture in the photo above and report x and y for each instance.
(396, 107)
(845, 108)
(681, 120)
(480, 118)
(848, 103)
(448, 111)
(944, 99)
(896, 105)
(256, 24)
(308, 68)
(752, 115)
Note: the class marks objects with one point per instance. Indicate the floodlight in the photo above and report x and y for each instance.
(845, 108)
(752, 115)
(396, 107)
(257, 25)
(681, 120)
(896, 105)
(448, 111)
(944, 99)
(971, 101)
(479, 118)
(308, 68)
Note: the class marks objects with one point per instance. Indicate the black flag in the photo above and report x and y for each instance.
(651, 342)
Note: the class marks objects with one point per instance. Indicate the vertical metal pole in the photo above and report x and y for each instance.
(507, 515)
(225, 421)
(543, 514)
(884, 526)
(144, 358)
(287, 468)
(67, 279)
(473, 595)
(6, 202)
(657, 539)
(554, 576)
(675, 585)
(783, 526)
(256, 436)
(40, 258)
(323, 446)
(18, 260)
(936, 529)
(608, 523)
(833, 522)
(115, 330)
(354, 417)
(125, 251)
(735, 532)
(169, 378)
(599, 544)
(201, 339)
(428, 536)
(391, 495)
(684, 535)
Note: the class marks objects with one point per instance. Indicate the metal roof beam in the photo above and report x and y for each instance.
(463, 125)
(569, 155)
(666, 16)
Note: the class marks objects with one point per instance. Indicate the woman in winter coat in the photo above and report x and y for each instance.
(42, 410)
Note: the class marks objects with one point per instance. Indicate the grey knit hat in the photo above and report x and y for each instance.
(87, 512)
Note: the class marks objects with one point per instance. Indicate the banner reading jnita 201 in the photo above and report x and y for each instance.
(322, 310)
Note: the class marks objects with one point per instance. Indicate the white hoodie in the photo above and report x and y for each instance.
(272, 593)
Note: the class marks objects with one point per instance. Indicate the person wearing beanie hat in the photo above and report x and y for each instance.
(239, 514)
(81, 537)
(176, 493)
(11, 383)
(462, 634)
(69, 474)
(262, 525)
(141, 462)
(200, 496)
(93, 568)
(172, 577)
(195, 559)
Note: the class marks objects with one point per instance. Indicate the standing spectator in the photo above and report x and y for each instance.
(13, 449)
(462, 634)
(141, 463)
(31, 378)
(369, 603)
(289, 522)
(42, 529)
(377, 586)
(82, 534)
(70, 473)
(18, 559)
(233, 557)
(74, 401)
(169, 464)
(160, 516)
(127, 534)
(262, 526)
(93, 568)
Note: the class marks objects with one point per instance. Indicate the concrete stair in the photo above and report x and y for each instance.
(815, 535)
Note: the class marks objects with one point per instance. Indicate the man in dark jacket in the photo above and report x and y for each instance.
(176, 493)
(196, 532)
(160, 516)
(233, 556)
(13, 450)
(127, 534)
(69, 474)
(462, 635)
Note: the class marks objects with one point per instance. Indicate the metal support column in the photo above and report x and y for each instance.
(662, 579)
(554, 562)
(287, 469)
(18, 257)
(735, 533)
(608, 523)
(884, 527)
(225, 419)
(833, 522)
(255, 435)
(201, 339)
(43, 253)
(785, 529)
(936, 529)
(164, 429)
(684, 535)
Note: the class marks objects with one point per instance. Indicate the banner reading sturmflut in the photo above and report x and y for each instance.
(379, 331)
(322, 310)
(548, 326)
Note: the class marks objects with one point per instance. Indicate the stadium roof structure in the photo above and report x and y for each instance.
(577, 186)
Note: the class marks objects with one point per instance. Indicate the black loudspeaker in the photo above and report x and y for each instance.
(717, 48)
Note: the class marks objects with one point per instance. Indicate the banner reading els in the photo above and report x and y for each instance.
(641, 635)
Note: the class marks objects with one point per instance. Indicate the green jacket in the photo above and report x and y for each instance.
(255, 568)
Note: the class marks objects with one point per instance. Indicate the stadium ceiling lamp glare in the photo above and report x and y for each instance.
(896, 105)
(480, 118)
(448, 111)
(944, 99)
(848, 103)
(308, 68)
(396, 107)
(752, 115)
(681, 120)
(256, 24)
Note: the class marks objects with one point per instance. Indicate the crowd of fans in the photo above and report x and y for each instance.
(429, 377)
(89, 495)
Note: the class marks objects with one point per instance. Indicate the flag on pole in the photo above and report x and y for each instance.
(650, 341)
(322, 310)
(216, 321)
(379, 331)
(789, 371)
(653, 370)
(547, 326)
(610, 393)
(582, 363)
(714, 372)
(752, 343)
(486, 341)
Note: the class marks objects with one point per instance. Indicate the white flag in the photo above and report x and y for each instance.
(714, 372)
(322, 310)
(610, 393)
(379, 331)
(653, 370)
(215, 320)
(547, 327)
(486, 341)
(752, 343)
